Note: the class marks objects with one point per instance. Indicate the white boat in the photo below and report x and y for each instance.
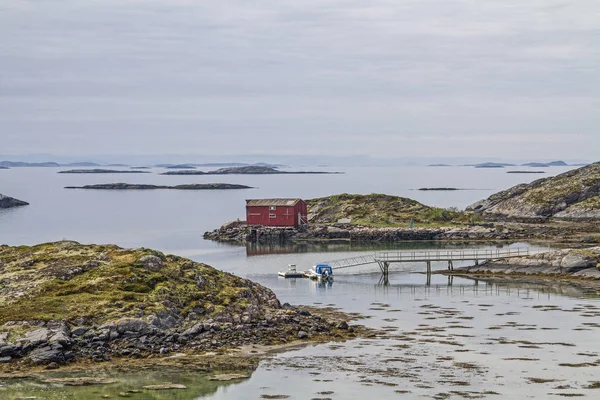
(291, 272)
(320, 272)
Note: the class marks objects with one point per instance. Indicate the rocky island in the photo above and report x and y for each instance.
(493, 165)
(563, 208)
(439, 189)
(67, 303)
(572, 195)
(101, 171)
(547, 164)
(244, 170)
(9, 202)
(133, 186)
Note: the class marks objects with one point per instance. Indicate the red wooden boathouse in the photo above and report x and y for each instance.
(276, 212)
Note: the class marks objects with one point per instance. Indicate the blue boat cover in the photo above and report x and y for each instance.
(320, 268)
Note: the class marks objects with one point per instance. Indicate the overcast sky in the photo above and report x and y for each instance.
(511, 78)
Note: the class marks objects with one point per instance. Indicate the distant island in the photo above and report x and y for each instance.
(545, 165)
(525, 172)
(439, 165)
(247, 170)
(220, 164)
(1, 167)
(493, 165)
(439, 189)
(181, 166)
(132, 186)
(101, 171)
(16, 164)
(9, 202)
(140, 167)
(49, 164)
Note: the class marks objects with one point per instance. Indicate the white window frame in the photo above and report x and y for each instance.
(272, 208)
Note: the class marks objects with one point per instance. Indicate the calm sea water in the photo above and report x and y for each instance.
(174, 221)
(455, 338)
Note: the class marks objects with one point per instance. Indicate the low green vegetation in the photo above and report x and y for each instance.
(69, 281)
(382, 210)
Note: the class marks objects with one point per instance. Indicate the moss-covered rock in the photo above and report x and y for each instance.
(377, 210)
(69, 281)
(61, 301)
(571, 195)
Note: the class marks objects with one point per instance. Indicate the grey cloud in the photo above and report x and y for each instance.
(346, 75)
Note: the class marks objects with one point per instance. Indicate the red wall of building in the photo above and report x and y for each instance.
(280, 216)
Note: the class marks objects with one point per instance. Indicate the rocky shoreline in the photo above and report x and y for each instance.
(565, 264)
(69, 304)
(239, 233)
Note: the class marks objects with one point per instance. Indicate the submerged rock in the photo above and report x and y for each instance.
(228, 377)
(165, 386)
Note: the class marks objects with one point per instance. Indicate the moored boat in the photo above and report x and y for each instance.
(320, 271)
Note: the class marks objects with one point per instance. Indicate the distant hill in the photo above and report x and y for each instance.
(81, 164)
(133, 186)
(572, 195)
(493, 165)
(101, 171)
(17, 164)
(247, 170)
(544, 165)
(439, 165)
(181, 166)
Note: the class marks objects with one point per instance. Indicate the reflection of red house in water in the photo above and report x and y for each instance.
(276, 212)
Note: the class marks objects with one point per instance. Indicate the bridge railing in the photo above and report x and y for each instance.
(352, 261)
(452, 255)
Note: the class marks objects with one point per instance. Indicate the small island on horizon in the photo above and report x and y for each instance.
(101, 171)
(525, 172)
(246, 170)
(132, 186)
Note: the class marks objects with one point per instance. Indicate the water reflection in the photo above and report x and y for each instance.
(262, 249)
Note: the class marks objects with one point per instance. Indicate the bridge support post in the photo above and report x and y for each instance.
(450, 265)
(428, 268)
(384, 266)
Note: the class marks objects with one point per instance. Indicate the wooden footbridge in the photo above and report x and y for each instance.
(385, 258)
